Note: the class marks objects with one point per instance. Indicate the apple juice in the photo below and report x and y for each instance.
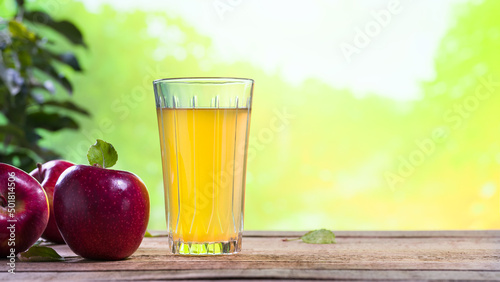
(204, 163)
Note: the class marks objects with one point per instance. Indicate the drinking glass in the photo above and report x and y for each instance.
(204, 125)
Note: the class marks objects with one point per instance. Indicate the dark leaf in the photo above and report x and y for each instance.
(20, 159)
(69, 59)
(32, 137)
(42, 57)
(47, 85)
(32, 152)
(39, 254)
(25, 58)
(65, 28)
(67, 105)
(13, 130)
(52, 72)
(20, 3)
(16, 108)
(50, 121)
(45, 153)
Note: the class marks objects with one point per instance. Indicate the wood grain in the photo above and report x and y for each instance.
(468, 255)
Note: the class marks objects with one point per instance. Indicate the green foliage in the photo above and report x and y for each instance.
(102, 154)
(29, 66)
(40, 254)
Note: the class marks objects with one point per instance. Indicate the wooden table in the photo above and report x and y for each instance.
(420, 255)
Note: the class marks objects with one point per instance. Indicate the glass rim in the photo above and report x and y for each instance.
(208, 80)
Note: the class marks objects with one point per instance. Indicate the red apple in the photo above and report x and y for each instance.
(24, 211)
(47, 174)
(102, 213)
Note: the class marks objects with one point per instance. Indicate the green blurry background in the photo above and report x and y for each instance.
(337, 141)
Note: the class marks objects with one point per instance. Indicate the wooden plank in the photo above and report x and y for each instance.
(357, 255)
(238, 274)
(478, 254)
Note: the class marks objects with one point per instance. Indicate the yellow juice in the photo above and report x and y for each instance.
(203, 154)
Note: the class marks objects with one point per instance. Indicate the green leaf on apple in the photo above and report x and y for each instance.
(39, 254)
(321, 236)
(102, 154)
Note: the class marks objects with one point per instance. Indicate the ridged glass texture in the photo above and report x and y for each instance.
(204, 125)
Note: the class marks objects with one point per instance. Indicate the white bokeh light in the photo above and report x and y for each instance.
(300, 40)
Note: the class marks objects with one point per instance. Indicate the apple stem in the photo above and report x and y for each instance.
(97, 165)
(39, 166)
